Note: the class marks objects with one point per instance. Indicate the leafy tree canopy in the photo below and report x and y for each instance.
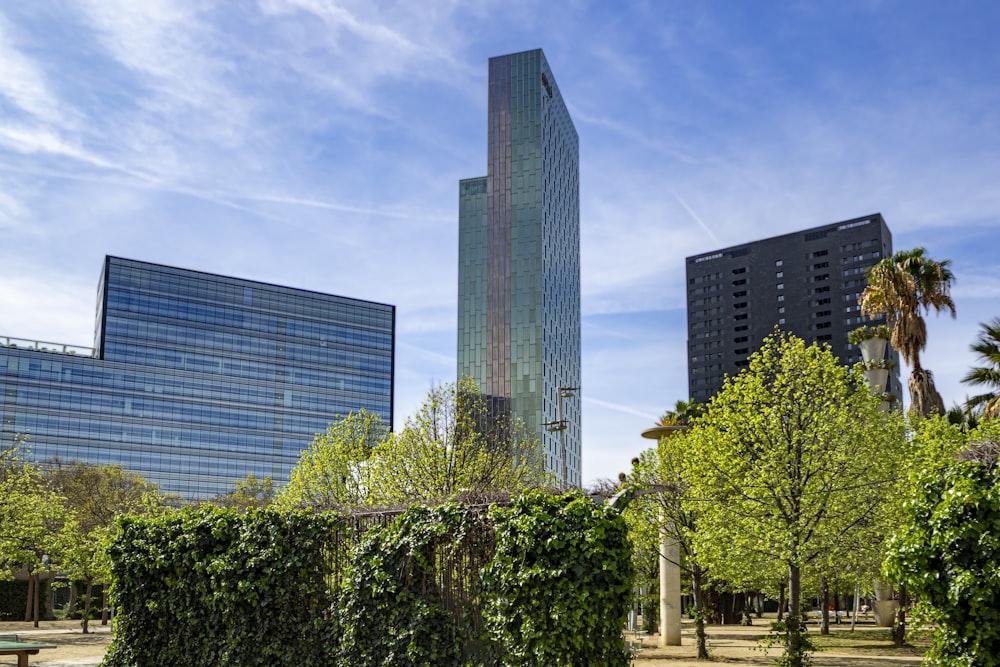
(947, 548)
(336, 470)
(792, 455)
(250, 492)
(457, 444)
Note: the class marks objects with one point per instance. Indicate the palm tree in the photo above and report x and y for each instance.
(683, 414)
(898, 287)
(987, 346)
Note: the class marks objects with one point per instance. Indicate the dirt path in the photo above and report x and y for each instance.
(727, 644)
(75, 649)
(738, 645)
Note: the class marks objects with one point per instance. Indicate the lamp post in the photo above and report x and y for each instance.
(670, 559)
(560, 426)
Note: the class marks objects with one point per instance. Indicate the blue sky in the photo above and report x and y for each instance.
(319, 144)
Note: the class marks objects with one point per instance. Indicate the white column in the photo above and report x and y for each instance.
(670, 590)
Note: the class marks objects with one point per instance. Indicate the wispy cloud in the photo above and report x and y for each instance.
(23, 81)
(624, 409)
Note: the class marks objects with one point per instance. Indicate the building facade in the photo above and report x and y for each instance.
(806, 283)
(519, 260)
(196, 380)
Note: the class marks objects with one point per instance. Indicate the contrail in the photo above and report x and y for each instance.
(619, 408)
(694, 215)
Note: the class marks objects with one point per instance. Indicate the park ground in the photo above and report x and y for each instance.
(729, 644)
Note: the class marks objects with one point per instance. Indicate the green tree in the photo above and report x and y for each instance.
(898, 287)
(95, 495)
(987, 346)
(457, 445)
(672, 511)
(335, 471)
(792, 455)
(250, 492)
(684, 413)
(946, 549)
(34, 522)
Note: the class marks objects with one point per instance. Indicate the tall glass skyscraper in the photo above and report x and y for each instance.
(519, 259)
(196, 380)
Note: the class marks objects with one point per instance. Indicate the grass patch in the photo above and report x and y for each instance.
(868, 642)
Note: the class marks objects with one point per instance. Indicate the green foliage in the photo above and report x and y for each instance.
(335, 471)
(947, 549)
(778, 636)
(34, 522)
(794, 457)
(987, 376)
(558, 589)
(390, 609)
(212, 587)
(249, 492)
(456, 446)
(864, 333)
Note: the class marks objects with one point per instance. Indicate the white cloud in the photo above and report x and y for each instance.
(23, 81)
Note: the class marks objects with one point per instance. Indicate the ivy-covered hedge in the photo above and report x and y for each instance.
(546, 581)
(213, 588)
(559, 587)
(392, 610)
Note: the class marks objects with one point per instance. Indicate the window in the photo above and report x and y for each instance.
(781, 320)
(779, 274)
(779, 262)
(741, 281)
(781, 309)
(781, 285)
(781, 297)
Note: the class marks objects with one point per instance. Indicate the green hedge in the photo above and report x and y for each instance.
(13, 597)
(559, 587)
(544, 582)
(214, 588)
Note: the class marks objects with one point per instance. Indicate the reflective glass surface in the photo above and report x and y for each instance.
(200, 379)
(519, 256)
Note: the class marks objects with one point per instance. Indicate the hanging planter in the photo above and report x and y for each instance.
(871, 340)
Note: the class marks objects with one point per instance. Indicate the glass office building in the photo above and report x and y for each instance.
(196, 380)
(519, 259)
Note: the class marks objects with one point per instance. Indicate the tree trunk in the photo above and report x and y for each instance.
(781, 603)
(924, 397)
(86, 607)
(824, 596)
(104, 604)
(699, 611)
(899, 629)
(794, 626)
(31, 592)
(71, 610)
(854, 616)
(37, 591)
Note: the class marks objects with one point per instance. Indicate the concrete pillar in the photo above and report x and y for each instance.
(670, 590)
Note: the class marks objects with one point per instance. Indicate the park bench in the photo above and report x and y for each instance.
(11, 645)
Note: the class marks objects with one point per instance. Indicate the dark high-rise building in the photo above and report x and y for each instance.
(196, 380)
(519, 260)
(806, 283)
